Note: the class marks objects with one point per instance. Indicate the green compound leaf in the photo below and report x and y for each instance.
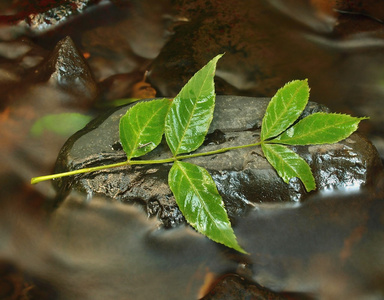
(201, 204)
(191, 111)
(142, 127)
(284, 108)
(63, 124)
(319, 128)
(289, 165)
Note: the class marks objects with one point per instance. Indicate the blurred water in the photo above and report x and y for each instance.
(331, 246)
(100, 250)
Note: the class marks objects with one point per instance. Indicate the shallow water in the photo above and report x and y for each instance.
(329, 247)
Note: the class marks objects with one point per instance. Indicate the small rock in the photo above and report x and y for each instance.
(67, 69)
(61, 77)
(243, 177)
(61, 83)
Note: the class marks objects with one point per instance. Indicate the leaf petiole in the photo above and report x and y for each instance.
(221, 150)
(35, 180)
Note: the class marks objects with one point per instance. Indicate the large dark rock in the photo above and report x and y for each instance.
(244, 177)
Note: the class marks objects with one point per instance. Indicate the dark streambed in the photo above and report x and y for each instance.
(330, 247)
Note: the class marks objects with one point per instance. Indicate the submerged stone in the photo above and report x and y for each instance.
(243, 177)
(235, 287)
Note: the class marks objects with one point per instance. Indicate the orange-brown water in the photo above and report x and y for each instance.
(329, 248)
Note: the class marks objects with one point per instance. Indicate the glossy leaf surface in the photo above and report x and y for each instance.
(284, 108)
(191, 111)
(142, 127)
(201, 204)
(319, 128)
(288, 164)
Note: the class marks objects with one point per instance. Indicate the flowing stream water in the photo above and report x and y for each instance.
(330, 247)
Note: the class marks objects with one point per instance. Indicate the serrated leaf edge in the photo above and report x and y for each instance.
(310, 186)
(137, 142)
(178, 99)
(287, 108)
(202, 200)
(278, 141)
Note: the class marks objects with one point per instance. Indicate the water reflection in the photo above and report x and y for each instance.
(331, 246)
(101, 250)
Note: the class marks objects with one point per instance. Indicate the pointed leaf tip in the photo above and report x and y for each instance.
(320, 128)
(191, 111)
(284, 108)
(289, 165)
(201, 204)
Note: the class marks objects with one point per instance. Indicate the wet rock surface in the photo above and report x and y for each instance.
(244, 178)
(54, 14)
(66, 68)
(63, 74)
(327, 247)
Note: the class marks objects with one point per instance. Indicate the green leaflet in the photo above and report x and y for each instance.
(142, 127)
(185, 122)
(201, 204)
(319, 128)
(288, 164)
(284, 108)
(191, 111)
(63, 124)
